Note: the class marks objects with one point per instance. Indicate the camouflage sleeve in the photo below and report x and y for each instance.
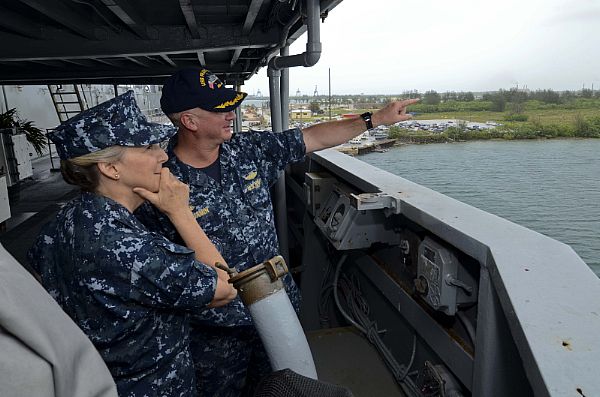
(276, 150)
(168, 276)
(34, 253)
(40, 253)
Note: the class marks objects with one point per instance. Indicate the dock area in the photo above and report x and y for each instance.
(366, 147)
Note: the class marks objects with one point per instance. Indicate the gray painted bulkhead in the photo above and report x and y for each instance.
(538, 308)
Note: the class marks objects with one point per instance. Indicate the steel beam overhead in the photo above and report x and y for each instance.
(128, 15)
(20, 25)
(236, 56)
(190, 17)
(141, 38)
(201, 58)
(109, 62)
(172, 42)
(139, 62)
(64, 16)
(51, 63)
(80, 62)
(251, 15)
(168, 60)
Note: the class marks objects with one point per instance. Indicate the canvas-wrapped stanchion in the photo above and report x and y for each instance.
(262, 291)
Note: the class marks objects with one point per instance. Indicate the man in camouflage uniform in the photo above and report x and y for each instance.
(129, 289)
(229, 177)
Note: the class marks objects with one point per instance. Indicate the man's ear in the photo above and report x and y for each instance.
(109, 170)
(188, 121)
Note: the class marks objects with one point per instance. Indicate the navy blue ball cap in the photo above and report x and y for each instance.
(118, 121)
(198, 88)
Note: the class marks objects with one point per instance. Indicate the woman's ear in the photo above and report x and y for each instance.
(109, 170)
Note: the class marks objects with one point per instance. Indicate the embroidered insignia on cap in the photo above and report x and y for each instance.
(202, 80)
(232, 102)
(212, 79)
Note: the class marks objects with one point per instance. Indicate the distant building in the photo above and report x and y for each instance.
(298, 114)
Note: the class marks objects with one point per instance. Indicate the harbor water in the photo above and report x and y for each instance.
(550, 186)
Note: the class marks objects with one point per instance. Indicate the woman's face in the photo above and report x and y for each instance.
(140, 166)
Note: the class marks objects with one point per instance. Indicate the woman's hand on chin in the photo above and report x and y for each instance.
(173, 196)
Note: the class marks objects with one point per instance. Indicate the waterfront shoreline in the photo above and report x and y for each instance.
(400, 141)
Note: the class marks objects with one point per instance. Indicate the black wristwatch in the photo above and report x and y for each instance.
(367, 119)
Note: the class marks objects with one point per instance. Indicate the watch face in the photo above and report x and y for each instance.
(367, 118)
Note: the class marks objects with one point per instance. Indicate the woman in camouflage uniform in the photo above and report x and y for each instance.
(130, 290)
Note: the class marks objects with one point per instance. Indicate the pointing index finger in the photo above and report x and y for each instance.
(408, 102)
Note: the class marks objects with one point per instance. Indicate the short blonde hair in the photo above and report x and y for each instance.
(82, 171)
(175, 119)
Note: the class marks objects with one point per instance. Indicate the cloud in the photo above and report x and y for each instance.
(463, 45)
(569, 12)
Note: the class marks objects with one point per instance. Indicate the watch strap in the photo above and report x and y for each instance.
(367, 118)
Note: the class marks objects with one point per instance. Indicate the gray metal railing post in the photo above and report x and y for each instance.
(279, 204)
(238, 113)
(52, 167)
(285, 92)
(275, 99)
(308, 58)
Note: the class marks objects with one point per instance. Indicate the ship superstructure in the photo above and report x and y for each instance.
(459, 301)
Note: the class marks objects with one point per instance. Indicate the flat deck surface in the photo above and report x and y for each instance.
(344, 357)
(34, 202)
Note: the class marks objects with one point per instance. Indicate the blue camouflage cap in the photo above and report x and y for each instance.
(116, 122)
(198, 88)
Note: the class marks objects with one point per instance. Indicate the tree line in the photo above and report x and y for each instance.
(501, 97)
(497, 100)
(578, 127)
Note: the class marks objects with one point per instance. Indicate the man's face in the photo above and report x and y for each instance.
(211, 126)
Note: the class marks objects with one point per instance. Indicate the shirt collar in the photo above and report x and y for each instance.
(187, 173)
(117, 211)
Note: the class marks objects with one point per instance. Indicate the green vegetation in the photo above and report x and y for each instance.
(516, 117)
(431, 98)
(579, 127)
(34, 135)
(523, 114)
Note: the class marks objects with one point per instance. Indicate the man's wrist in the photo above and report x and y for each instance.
(375, 120)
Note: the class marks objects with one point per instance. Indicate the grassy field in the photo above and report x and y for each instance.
(545, 114)
(553, 116)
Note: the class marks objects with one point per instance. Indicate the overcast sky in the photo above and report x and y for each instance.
(390, 46)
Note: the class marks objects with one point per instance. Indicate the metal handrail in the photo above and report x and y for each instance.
(52, 167)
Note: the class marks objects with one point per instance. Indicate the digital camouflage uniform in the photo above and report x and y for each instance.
(237, 215)
(130, 290)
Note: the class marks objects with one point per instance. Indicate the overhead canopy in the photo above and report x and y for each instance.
(142, 41)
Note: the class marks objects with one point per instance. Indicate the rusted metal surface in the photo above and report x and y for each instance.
(259, 281)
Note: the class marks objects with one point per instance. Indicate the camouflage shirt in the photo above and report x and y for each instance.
(237, 213)
(130, 290)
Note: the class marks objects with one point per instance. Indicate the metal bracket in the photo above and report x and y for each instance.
(276, 267)
(372, 201)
